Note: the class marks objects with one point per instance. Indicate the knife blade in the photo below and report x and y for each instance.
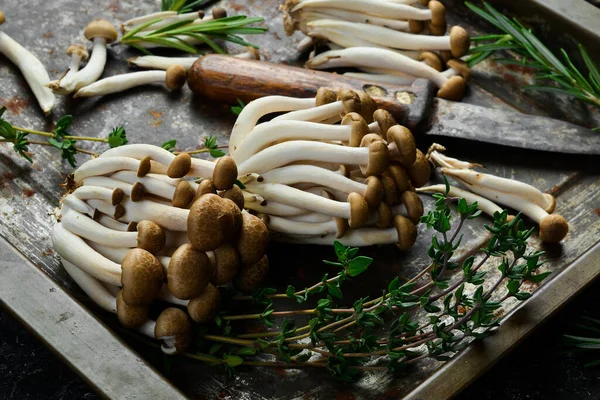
(226, 79)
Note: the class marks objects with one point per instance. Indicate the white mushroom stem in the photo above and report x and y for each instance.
(352, 16)
(115, 254)
(448, 162)
(386, 9)
(73, 249)
(91, 287)
(108, 183)
(111, 223)
(314, 114)
(381, 78)
(251, 197)
(151, 185)
(258, 108)
(89, 229)
(94, 192)
(148, 329)
(311, 217)
(374, 127)
(496, 183)
(73, 66)
(102, 166)
(303, 150)
(105, 208)
(77, 204)
(90, 73)
(167, 217)
(297, 198)
(353, 237)
(120, 83)
(165, 295)
(158, 62)
(293, 174)
(283, 225)
(483, 204)
(32, 69)
(305, 45)
(274, 208)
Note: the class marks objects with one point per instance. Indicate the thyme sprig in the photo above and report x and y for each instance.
(181, 6)
(210, 146)
(530, 52)
(451, 302)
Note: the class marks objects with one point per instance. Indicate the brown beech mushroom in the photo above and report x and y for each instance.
(180, 166)
(204, 308)
(211, 222)
(251, 276)
(225, 173)
(253, 239)
(204, 187)
(189, 272)
(420, 171)
(131, 317)
(414, 206)
(174, 329)
(142, 277)
(184, 195)
(407, 232)
(234, 194)
(226, 264)
(402, 145)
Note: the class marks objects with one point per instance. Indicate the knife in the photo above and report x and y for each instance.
(226, 79)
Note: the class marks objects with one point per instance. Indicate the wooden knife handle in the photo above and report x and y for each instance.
(226, 79)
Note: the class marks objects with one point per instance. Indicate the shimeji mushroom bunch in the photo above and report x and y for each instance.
(385, 40)
(135, 230)
(313, 180)
(487, 190)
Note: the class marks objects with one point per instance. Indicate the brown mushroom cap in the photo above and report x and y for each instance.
(445, 55)
(117, 196)
(236, 215)
(189, 272)
(436, 30)
(374, 193)
(101, 28)
(414, 206)
(130, 317)
(251, 277)
(78, 50)
(358, 128)
(400, 177)
(219, 12)
(180, 166)
(390, 192)
(142, 277)
(459, 41)
(424, 2)
(438, 13)
(234, 194)
(432, 59)
(379, 157)
(384, 119)
(344, 170)
(210, 222)
(205, 186)
(340, 223)
(551, 203)
(553, 228)
(415, 26)
(405, 143)
(385, 216)
(461, 67)
(119, 211)
(151, 237)
(370, 138)
(132, 226)
(359, 210)
(2, 18)
(137, 192)
(227, 264)
(201, 14)
(144, 167)
(184, 194)
(176, 77)
(325, 96)
(407, 232)
(174, 329)
(453, 89)
(253, 240)
(225, 173)
(351, 101)
(204, 308)
(367, 106)
(420, 171)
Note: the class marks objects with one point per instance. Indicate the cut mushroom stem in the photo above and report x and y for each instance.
(114, 196)
(483, 204)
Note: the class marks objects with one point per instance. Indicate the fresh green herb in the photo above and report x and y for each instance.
(236, 110)
(211, 146)
(181, 6)
(169, 145)
(588, 343)
(530, 52)
(117, 137)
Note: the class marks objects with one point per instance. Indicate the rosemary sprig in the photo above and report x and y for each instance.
(181, 6)
(185, 35)
(530, 52)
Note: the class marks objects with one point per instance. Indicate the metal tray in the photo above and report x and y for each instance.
(36, 289)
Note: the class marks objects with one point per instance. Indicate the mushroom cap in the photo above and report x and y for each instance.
(342, 226)
(225, 173)
(370, 138)
(236, 214)
(173, 327)
(189, 272)
(252, 276)
(101, 28)
(432, 59)
(176, 77)
(253, 240)
(344, 170)
(137, 192)
(405, 143)
(205, 186)
(142, 277)
(551, 203)
(204, 308)
(453, 89)
(438, 13)
(144, 167)
(180, 166)
(436, 30)
(424, 2)
(78, 50)
(384, 119)
(414, 206)
(253, 51)
(227, 264)
(119, 211)
(390, 192)
(461, 67)
(367, 106)
(358, 128)
(459, 41)
(234, 194)
(151, 237)
(130, 317)
(219, 12)
(351, 101)
(374, 193)
(385, 216)
(201, 14)
(379, 158)
(210, 222)
(184, 194)
(359, 210)
(325, 96)
(2, 18)
(445, 55)
(132, 226)
(407, 232)
(553, 228)
(400, 177)
(117, 196)
(415, 26)
(420, 171)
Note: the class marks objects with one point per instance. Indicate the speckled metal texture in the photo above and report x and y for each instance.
(29, 193)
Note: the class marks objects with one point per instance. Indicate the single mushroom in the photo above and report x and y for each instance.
(131, 317)
(253, 239)
(174, 329)
(204, 308)
(206, 186)
(211, 222)
(158, 62)
(226, 264)
(435, 156)
(225, 173)
(402, 145)
(420, 171)
(142, 277)
(78, 53)
(234, 194)
(251, 276)
(166, 216)
(189, 272)
(483, 204)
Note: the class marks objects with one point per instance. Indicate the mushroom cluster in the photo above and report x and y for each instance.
(333, 166)
(386, 40)
(487, 190)
(138, 227)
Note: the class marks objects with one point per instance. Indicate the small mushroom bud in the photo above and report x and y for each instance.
(174, 329)
(142, 277)
(252, 276)
(432, 59)
(204, 308)
(325, 96)
(351, 101)
(176, 77)
(359, 210)
(253, 240)
(219, 12)
(379, 158)
(130, 317)
(151, 237)
(227, 264)
(420, 171)
(384, 120)
(234, 194)
(225, 173)
(180, 166)
(189, 272)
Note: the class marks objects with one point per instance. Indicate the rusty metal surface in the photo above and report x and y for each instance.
(28, 193)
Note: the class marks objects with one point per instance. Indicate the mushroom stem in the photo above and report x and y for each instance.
(283, 225)
(115, 212)
(114, 196)
(112, 223)
(133, 22)
(102, 166)
(89, 74)
(382, 78)
(158, 62)
(483, 204)
(92, 287)
(120, 83)
(387, 9)
(293, 174)
(312, 217)
(32, 69)
(435, 156)
(274, 208)
(314, 114)
(166, 216)
(353, 16)
(77, 204)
